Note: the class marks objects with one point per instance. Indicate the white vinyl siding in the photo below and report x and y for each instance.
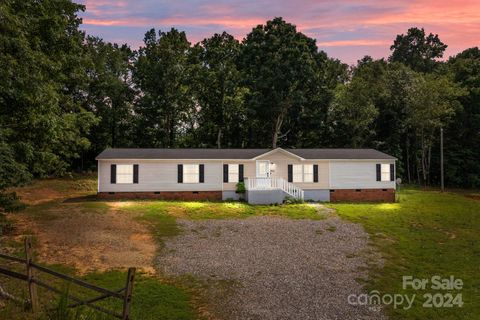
(124, 173)
(158, 175)
(308, 173)
(233, 173)
(356, 175)
(385, 172)
(297, 173)
(191, 173)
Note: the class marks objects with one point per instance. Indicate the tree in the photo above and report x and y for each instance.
(462, 136)
(43, 83)
(278, 64)
(352, 113)
(161, 72)
(394, 85)
(432, 103)
(110, 94)
(310, 125)
(218, 91)
(417, 50)
(12, 174)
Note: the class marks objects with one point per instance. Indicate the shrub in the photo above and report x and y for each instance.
(241, 187)
(6, 226)
(292, 200)
(10, 202)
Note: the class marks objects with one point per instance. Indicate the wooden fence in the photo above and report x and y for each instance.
(124, 294)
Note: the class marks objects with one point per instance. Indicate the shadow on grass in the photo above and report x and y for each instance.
(79, 199)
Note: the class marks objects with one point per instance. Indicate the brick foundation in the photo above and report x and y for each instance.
(164, 195)
(362, 195)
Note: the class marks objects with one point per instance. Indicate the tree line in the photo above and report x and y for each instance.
(65, 96)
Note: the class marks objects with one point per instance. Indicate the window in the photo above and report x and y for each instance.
(385, 172)
(233, 173)
(191, 173)
(308, 173)
(297, 173)
(124, 173)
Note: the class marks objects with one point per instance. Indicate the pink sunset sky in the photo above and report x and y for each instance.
(345, 29)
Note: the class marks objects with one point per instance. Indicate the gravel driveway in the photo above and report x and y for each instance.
(282, 268)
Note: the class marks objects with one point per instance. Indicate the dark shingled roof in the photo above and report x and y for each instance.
(205, 154)
(340, 154)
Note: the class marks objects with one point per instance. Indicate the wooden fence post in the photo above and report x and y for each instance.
(32, 287)
(128, 294)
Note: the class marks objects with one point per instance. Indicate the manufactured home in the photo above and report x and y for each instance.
(269, 175)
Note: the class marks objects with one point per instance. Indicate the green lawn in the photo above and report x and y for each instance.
(426, 233)
(220, 210)
(153, 298)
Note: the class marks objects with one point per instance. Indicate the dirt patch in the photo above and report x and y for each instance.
(38, 196)
(473, 196)
(90, 241)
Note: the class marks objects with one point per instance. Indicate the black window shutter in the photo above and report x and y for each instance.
(240, 172)
(379, 172)
(135, 173)
(225, 173)
(113, 173)
(180, 173)
(315, 173)
(202, 173)
(290, 173)
(392, 172)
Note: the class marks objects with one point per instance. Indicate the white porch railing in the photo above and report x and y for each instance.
(274, 184)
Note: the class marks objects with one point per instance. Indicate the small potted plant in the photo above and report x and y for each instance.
(241, 190)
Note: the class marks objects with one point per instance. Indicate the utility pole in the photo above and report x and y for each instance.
(442, 185)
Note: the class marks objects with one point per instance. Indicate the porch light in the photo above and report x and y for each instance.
(273, 166)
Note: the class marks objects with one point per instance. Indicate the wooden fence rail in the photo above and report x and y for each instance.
(124, 294)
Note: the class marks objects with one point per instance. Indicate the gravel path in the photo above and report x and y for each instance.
(283, 268)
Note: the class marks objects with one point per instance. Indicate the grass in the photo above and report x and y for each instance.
(332, 228)
(152, 298)
(424, 234)
(197, 210)
(81, 183)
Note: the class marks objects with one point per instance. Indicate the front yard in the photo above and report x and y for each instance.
(204, 260)
(425, 234)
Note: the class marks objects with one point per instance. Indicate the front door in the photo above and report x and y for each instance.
(263, 168)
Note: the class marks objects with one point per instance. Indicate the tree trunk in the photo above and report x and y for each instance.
(222, 113)
(114, 125)
(408, 161)
(219, 138)
(418, 170)
(279, 122)
(167, 138)
(172, 132)
(276, 130)
(429, 162)
(424, 161)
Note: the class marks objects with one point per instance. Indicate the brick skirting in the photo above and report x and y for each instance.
(164, 195)
(362, 195)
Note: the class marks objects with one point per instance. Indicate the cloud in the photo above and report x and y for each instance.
(347, 29)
